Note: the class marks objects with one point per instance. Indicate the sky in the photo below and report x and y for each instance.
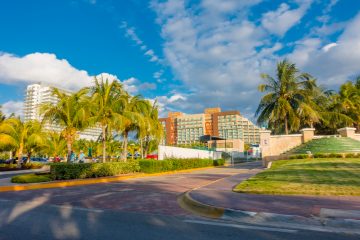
(187, 54)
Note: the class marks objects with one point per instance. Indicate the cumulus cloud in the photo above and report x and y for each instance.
(46, 68)
(333, 63)
(284, 18)
(10, 107)
(41, 67)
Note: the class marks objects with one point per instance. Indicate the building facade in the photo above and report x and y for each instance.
(37, 94)
(182, 128)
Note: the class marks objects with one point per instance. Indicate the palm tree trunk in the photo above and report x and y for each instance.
(146, 146)
(141, 148)
(286, 126)
(68, 144)
(125, 145)
(20, 152)
(104, 143)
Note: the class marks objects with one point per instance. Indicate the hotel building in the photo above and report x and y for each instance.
(181, 128)
(37, 94)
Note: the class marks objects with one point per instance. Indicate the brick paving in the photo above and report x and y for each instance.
(157, 195)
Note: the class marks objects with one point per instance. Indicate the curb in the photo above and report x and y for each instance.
(80, 182)
(270, 219)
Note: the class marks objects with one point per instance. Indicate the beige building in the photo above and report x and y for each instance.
(183, 128)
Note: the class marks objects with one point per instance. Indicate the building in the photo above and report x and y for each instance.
(183, 128)
(37, 94)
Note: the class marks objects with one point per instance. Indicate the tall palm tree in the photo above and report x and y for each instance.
(107, 102)
(21, 136)
(284, 95)
(71, 112)
(132, 118)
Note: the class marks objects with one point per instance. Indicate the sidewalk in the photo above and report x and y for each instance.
(220, 194)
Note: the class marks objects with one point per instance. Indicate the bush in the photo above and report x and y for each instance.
(32, 165)
(31, 178)
(352, 155)
(299, 156)
(64, 171)
(321, 155)
(335, 155)
(154, 166)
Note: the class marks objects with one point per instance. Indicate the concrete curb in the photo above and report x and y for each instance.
(88, 181)
(269, 219)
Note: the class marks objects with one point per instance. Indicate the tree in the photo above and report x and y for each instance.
(71, 112)
(132, 118)
(285, 94)
(21, 136)
(2, 116)
(107, 101)
(55, 144)
(152, 129)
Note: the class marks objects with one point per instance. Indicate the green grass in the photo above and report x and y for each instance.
(328, 145)
(307, 177)
(31, 178)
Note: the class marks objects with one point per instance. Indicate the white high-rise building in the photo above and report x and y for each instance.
(37, 94)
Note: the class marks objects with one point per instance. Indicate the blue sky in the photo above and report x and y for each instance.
(187, 54)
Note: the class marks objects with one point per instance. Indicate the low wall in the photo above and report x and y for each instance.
(177, 152)
(282, 143)
(357, 136)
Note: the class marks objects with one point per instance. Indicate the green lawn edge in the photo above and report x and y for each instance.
(324, 177)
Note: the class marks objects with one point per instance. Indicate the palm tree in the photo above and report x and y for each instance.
(23, 137)
(152, 129)
(71, 112)
(56, 144)
(132, 118)
(284, 95)
(2, 116)
(107, 102)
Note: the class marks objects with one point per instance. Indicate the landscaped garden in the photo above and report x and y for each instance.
(65, 171)
(333, 176)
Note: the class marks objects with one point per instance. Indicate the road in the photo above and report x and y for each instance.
(135, 209)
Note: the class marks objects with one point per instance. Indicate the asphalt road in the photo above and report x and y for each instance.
(40, 221)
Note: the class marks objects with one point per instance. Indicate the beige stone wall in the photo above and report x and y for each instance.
(357, 137)
(282, 143)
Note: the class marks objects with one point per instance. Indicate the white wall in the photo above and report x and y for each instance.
(176, 152)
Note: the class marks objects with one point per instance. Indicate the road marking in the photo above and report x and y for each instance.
(222, 224)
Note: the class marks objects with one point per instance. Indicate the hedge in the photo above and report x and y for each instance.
(64, 171)
(31, 178)
(30, 165)
(154, 166)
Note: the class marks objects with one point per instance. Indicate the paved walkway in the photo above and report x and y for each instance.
(220, 194)
(157, 194)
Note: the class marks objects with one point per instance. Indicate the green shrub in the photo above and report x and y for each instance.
(5, 166)
(32, 165)
(335, 155)
(321, 155)
(31, 178)
(154, 166)
(299, 156)
(352, 155)
(64, 171)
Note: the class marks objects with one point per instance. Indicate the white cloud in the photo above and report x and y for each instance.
(10, 107)
(284, 18)
(131, 34)
(133, 85)
(48, 69)
(41, 67)
(332, 63)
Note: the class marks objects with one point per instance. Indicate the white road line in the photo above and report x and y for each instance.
(242, 226)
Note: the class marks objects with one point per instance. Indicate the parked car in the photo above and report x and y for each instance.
(152, 156)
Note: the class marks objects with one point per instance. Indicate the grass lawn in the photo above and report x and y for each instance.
(307, 177)
(31, 178)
